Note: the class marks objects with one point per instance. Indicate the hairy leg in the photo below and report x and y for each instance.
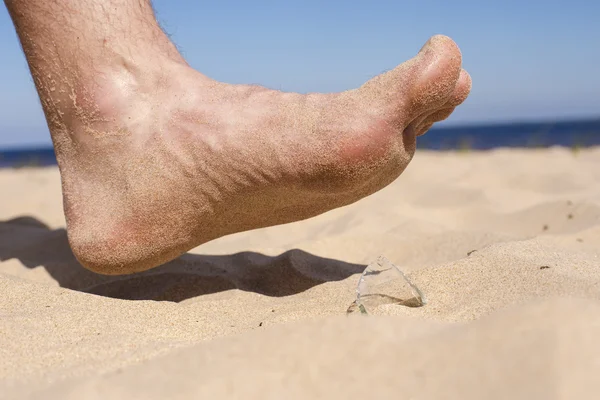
(155, 158)
(71, 45)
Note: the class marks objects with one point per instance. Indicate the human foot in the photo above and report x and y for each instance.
(160, 160)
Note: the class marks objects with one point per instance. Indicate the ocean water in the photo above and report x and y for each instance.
(573, 134)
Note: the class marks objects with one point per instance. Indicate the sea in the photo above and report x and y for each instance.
(575, 134)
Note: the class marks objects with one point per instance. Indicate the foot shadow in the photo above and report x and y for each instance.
(34, 244)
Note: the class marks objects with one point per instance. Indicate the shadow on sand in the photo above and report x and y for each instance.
(35, 245)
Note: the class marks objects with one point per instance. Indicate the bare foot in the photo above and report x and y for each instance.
(160, 159)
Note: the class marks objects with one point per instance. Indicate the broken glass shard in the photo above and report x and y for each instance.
(381, 283)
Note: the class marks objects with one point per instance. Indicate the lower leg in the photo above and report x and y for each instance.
(72, 45)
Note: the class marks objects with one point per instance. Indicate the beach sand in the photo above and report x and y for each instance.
(504, 245)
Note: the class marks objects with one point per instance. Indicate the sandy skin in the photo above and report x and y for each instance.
(156, 158)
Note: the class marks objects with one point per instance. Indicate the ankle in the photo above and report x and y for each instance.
(115, 90)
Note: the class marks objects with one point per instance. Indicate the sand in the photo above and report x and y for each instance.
(504, 244)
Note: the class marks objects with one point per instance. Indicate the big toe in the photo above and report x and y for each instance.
(435, 73)
(420, 85)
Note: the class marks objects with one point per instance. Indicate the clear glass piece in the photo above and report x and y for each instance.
(381, 283)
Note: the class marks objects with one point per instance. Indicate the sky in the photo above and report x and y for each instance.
(529, 60)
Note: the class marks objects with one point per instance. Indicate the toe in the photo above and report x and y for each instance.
(418, 86)
(421, 130)
(438, 71)
(458, 96)
(428, 122)
(461, 90)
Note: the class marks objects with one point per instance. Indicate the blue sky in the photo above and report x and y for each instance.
(528, 59)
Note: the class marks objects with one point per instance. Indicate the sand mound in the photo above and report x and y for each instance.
(504, 244)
